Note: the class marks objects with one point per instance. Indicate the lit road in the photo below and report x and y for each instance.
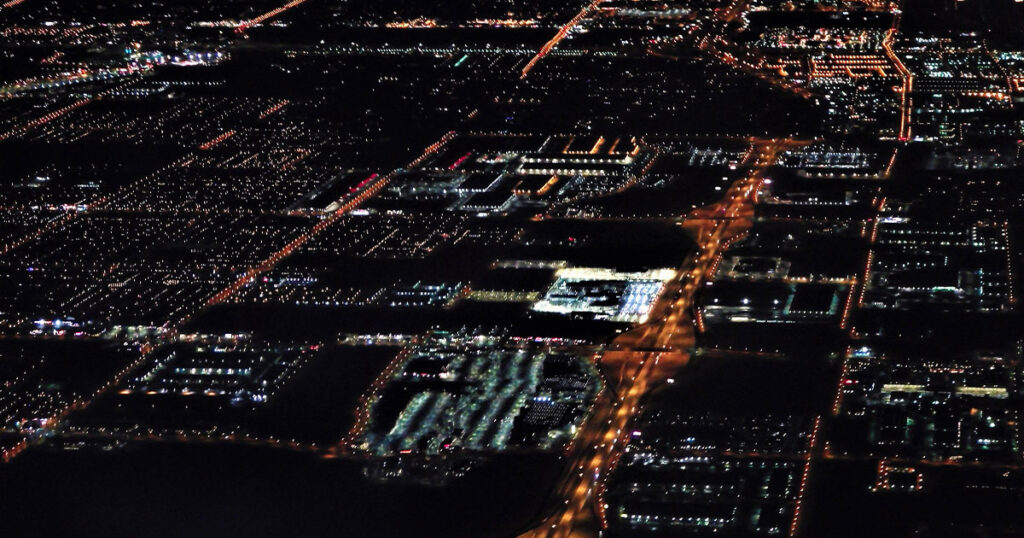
(906, 102)
(10, 4)
(562, 33)
(256, 21)
(642, 359)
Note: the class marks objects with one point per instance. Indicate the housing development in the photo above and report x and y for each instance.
(519, 268)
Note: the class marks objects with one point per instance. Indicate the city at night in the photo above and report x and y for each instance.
(511, 268)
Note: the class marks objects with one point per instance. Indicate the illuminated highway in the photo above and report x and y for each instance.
(256, 21)
(562, 33)
(906, 103)
(647, 356)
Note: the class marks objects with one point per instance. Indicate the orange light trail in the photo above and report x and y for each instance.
(908, 80)
(47, 118)
(274, 108)
(218, 139)
(798, 508)
(562, 32)
(267, 16)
